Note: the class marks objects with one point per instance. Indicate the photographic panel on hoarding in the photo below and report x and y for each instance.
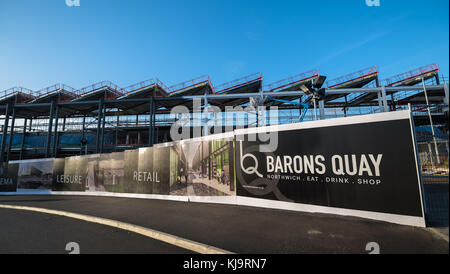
(8, 177)
(131, 158)
(178, 180)
(58, 174)
(75, 174)
(204, 168)
(366, 166)
(145, 176)
(161, 167)
(113, 172)
(35, 174)
(94, 176)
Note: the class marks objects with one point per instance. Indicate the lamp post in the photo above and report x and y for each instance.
(431, 120)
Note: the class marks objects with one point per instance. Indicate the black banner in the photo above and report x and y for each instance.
(368, 166)
(8, 177)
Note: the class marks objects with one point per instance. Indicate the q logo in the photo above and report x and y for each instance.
(252, 169)
(258, 186)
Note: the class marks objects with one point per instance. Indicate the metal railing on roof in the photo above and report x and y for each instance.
(352, 77)
(291, 81)
(222, 88)
(189, 84)
(56, 88)
(143, 85)
(15, 90)
(99, 86)
(411, 74)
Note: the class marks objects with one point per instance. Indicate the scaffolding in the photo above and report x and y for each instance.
(139, 115)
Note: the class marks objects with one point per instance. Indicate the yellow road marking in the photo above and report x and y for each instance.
(157, 235)
(443, 236)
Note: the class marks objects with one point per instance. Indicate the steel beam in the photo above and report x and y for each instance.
(446, 97)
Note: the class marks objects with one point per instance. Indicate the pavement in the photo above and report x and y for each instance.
(239, 229)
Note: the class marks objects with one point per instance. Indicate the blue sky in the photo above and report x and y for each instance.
(46, 42)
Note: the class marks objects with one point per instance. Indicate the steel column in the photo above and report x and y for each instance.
(151, 128)
(345, 108)
(103, 129)
(383, 96)
(154, 121)
(5, 133)
(83, 135)
(322, 110)
(64, 124)
(11, 135)
(23, 139)
(117, 131)
(446, 97)
(49, 132)
(99, 120)
(56, 135)
(380, 101)
(393, 107)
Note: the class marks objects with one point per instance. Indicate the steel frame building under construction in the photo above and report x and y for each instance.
(62, 121)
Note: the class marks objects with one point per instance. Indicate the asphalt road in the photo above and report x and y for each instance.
(237, 229)
(23, 232)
